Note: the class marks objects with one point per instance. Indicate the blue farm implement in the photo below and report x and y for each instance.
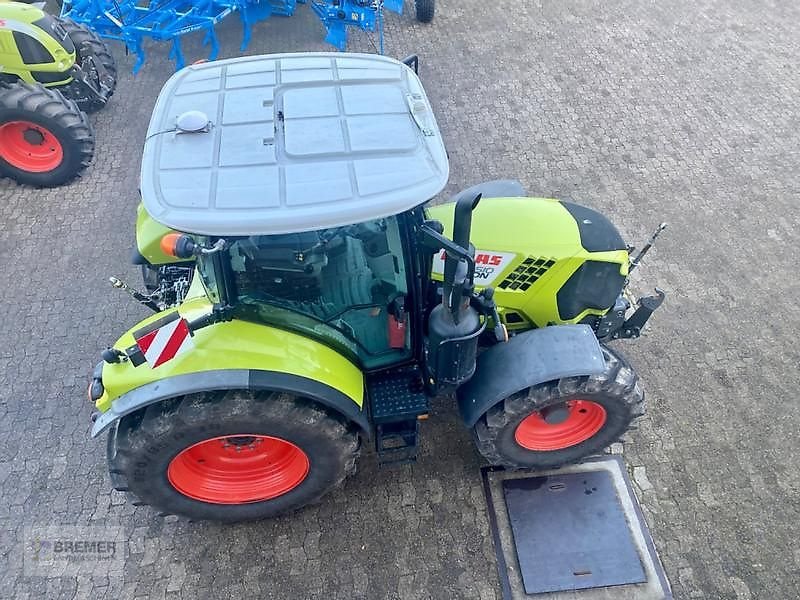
(134, 21)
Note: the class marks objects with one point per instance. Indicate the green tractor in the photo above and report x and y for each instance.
(51, 71)
(36, 47)
(306, 300)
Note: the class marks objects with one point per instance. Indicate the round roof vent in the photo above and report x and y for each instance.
(193, 121)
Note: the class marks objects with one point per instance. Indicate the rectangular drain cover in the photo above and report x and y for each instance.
(570, 532)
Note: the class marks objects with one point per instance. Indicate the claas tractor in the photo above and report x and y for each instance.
(36, 47)
(51, 71)
(307, 303)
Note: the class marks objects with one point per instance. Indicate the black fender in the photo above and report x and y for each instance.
(528, 359)
(232, 379)
(497, 188)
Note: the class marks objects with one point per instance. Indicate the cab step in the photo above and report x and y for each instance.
(397, 402)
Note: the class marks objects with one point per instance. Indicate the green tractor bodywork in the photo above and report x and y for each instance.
(541, 253)
(303, 297)
(236, 346)
(34, 46)
(149, 233)
(52, 71)
(543, 271)
(38, 48)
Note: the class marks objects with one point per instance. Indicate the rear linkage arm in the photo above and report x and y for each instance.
(184, 247)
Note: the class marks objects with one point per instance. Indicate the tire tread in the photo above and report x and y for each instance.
(135, 433)
(57, 113)
(83, 36)
(619, 379)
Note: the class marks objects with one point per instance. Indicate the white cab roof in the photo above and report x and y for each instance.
(296, 142)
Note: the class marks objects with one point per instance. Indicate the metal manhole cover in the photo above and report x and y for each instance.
(570, 533)
(573, 533)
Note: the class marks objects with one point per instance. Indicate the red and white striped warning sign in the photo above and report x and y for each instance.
(165, 342)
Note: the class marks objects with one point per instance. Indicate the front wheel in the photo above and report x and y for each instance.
(563, 421)
(231, 456)
(95, 58)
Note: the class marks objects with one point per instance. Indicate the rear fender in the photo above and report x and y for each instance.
(528, 359)
(231, 355)
(231, 379)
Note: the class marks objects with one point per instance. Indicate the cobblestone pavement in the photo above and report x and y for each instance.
(685, 112)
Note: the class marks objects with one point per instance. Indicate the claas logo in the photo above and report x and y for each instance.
(488, 259)
(491, 260)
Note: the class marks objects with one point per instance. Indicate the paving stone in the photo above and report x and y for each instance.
(672, 111)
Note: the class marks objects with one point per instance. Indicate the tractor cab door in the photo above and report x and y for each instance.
(347, 286)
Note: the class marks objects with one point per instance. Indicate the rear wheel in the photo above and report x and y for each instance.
(45, 139)
(563, 421)
(94, 57)
(231, 456)
(425, 10)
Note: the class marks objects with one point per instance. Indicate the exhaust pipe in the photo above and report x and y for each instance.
(454, 325)
(462, 223)
(458, 272)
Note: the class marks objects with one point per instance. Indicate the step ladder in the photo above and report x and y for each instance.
(397, 402)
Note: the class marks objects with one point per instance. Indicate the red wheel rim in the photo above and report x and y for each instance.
(29, 147)
(238, 469)
(584, 420)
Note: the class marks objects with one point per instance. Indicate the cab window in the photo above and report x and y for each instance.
(31, 50)
(345, 284)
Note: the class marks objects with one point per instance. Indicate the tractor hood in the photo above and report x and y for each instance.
(290, 142)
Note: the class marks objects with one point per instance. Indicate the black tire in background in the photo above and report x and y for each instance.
(616, 390)
(142, 446)
(87, 42)
(425, 10)
(47, 113)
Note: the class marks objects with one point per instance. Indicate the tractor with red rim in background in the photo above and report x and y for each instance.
(51, 71)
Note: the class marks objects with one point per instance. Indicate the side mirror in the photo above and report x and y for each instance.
(412, 62)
